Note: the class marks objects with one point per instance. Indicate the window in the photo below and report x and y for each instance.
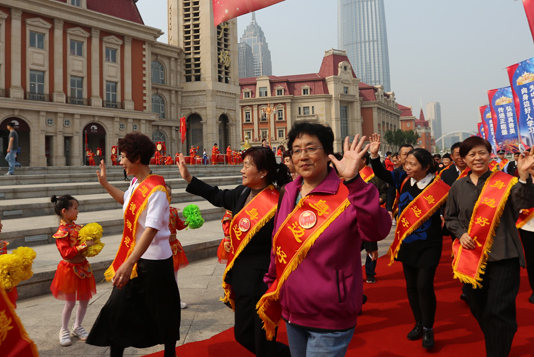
(37, 85)
(246, 94)
(344, 120)
(135, 127)
(280, 133)
(279, 92)
(158, 74)
(305, 91)
(76, 3)
(76, 48)
(248, 134)
(111, 95)
(300, 111)
(49, 121)
(76, 90)
(345, 90)
(247, 117)
(280, 113)
(67, 123)
(158, 105)
(264, 134)
(263, 91)
(37, 40)
(122, 126)
(306, 110)
(111, 55)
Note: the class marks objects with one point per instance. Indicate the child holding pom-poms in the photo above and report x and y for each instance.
(74, 280)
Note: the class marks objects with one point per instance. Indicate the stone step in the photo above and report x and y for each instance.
(26, 191)
(198, 244)
(39, 230)
(39, 206)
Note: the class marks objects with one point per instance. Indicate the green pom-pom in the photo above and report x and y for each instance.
(192, 216)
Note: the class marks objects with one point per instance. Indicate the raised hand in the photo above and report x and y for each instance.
(349, 165)
(184, 172)
(374, 145)
(525, 164)
(101, 174)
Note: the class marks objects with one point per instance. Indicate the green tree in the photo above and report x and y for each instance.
(400, 137)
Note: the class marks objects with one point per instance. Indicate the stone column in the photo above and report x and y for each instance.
(255, 120)
(59, 147)
(16, 91)
(128, 102)
(76, 145)
(96, 99)
(38, 155)
(58, 95)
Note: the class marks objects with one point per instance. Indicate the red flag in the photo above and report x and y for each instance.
(224, 10)
(183, 129)
(529, 10)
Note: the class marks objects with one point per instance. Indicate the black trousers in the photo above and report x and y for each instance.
(493, 305)
(249, 332)
(527, 238)
(421, 295)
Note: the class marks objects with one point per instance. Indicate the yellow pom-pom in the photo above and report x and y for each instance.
(11, 270)
(91, 231)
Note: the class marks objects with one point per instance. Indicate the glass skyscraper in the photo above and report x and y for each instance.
(362, 33)
(255, 38)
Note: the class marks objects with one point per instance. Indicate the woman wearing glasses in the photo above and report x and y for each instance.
(315, 276)
(253, 205)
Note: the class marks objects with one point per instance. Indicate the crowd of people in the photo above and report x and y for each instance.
(295, 235)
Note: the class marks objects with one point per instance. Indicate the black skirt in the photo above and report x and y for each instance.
(144, 313)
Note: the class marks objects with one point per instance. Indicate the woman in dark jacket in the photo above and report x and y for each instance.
(253, 205)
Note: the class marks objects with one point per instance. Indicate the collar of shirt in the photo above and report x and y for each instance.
(481, 179)
(422, 183)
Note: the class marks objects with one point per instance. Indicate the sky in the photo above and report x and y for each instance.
(449, 51)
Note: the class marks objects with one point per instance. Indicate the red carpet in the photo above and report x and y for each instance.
(387, 318)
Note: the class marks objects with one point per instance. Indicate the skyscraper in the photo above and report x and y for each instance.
(254, 37)
(246, 60)
(433, 112)
(362, 33)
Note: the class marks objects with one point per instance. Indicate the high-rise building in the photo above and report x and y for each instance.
(246, 60)
(433, 112)
(362, 33)
(255, 38)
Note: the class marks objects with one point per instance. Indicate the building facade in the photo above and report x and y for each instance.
(362, 33)
(78, 75)
(433, 113)
(270, 105)
(422, 127)
(255, 38)
(246, 60)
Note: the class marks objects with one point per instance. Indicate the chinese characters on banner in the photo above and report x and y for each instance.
(522, 81)
(487, 119)
(481, 131)
(504, 118)
(224, 10)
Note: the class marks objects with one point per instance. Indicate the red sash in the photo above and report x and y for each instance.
(14, 341)
(417, 212)
(469, 264)
(503, 163)
(244, 226)
(367, 173)
(291, 243)
(136, 205)
(524, 216)
(463, 173)
(493, 165)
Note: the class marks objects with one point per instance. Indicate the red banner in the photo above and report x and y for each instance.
(224, 10)
(529, 10)
(183, 129)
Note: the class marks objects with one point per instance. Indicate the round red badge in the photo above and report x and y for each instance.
(307, 219)
(244, 224)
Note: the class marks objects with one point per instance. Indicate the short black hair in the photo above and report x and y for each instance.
(447, 156)
(455, 145)
(62, 202)
(425, 159)
(322, 132)
(395, 155)
(405, 146)
(437, 155)
(388, 153)
(12, 124)
(472, 142)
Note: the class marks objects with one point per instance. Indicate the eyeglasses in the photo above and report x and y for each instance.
(309, 151)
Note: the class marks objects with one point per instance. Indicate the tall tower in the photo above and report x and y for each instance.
(362, 33)
(255, 38)
(433, 112)
(210, 75)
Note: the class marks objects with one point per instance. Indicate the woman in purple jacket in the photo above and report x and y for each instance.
(315, 276)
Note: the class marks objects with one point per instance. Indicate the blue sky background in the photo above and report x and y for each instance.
(447, 51)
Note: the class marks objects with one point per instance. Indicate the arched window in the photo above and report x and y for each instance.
(158, 105)
(158, 73)
(158, 135)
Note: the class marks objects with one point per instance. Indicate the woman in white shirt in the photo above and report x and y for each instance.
(143, 309)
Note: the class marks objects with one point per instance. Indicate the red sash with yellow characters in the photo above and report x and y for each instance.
(367, 173)
(244, 226)
(14, 341)
(417, 212)
(524, 216)
(503, 163)
(469, 264)
(136, 205)
(493, 165)
(291, 244)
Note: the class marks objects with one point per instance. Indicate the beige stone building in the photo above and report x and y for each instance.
(77, 74)
(334, 96)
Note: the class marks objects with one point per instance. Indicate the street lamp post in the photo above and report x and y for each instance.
(267, 111)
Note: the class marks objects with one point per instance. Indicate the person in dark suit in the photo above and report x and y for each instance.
(511, 166)
(245, 277)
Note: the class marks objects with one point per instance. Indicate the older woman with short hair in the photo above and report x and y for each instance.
(315, 275)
